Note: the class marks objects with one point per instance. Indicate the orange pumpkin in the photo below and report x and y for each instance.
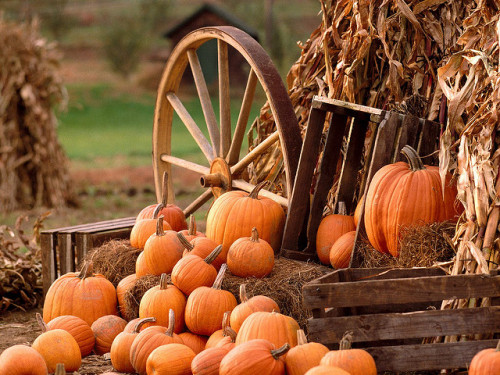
(208, 361)
(304, 356)
(21, 360)
(326, 370)
(486, 362)
(140, 265)
(105, 329)
(91, 296)
(148, 340)
(121, 289)
(272, 326)
(340, 253)
(358, 211)
(229, 340)
(195, 342)
(255, 357)
(142, 230)
(78, 328)
(248, 306)
(191, 232)
(170, 359)
(330, 229)
(404, 194)
(201, 246)
(206, 306)
(354, 361)
(120, 349)
(159, 299)
(191, 271)
(161, 252)
(228, 218)
(218, 335)
(250, 256)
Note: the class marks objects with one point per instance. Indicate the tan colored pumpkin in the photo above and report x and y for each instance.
(192, 271)
(208, 361)
(191, 232)
(304, 356)
(120, 349)
(486, 362)
(228, 218)
(201, 246)
(326, 370)
(206, 306)
(91, 296)
(218, 335)
(196, 342)
(121, 289)
(158, 300)
(331, 228)
(254, 357)
(248, 306)
(78, 328)
(105, 329)
(250, 256)
(21, 360)
(170, 359)
(340, 253)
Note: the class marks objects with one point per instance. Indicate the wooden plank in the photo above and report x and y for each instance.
(66, 252)
(185, 164)
(409, 135)
(428, 356)
(258, 150)
(416, 324)
(345, 108)
(429, 141)
(49, 265)
(419, 289)
(224, 99)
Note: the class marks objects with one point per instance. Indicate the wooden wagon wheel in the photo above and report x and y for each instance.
(222, 151)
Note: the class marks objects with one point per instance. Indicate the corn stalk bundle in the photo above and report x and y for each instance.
(33, 166)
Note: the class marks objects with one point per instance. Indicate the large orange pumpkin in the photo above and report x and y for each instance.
(91, 296)
(201, 246)
(405, 194)
(229, 219)
(304, 356)
(105, 329)
(340, 253)
(21, 360)
(194, 341)
(486, 362)
(78, 328)
(170, 359)
(208, 361)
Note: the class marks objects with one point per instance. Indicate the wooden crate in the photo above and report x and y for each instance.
(390, 311)
(64, 248)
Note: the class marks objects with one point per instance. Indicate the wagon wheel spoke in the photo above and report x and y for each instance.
(252, 155)
(185, 164)
(248, 187)
(198, 202)
(204, 95)
(224, 99)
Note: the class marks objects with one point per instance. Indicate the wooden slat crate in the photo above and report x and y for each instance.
(390, 311)
(64, 248)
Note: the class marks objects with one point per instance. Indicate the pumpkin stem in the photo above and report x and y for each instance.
(141, 322)
(86, 271)
(60, 370)
(41, 323)
(184, 241)
(243, 293)
(159, 227)
(163, 281)
(413, 159)
(255, 235)
(346, 341)
(225, 320)
(164, 189)
(341, 209)
(192, 226)
(228, 331)
(301, 337)
(214, 254)
(171, 323)
(254, 194)
(218, 281)
(276, 353)
(498, 347)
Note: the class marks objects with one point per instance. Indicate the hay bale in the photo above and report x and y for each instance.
(134, 294)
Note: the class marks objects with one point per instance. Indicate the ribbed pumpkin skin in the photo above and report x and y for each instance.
(88, 298)
(191, 272)
(22, 360)
(171, 359)
(398, 197)
(172, 214)
(203, 246)
(229, 219)
(161, 253)
(302, 358)
(331, 228)
(252, 358)
(122, 287)
(195, 342)
(340, 253)
(142, 230)
(140, 265)
(326, 370)
(272, 326)
(354, 361)
(105, 329)
(78, 328)
(208, 361)
(486, 362)
(58, 346)
(358, 211)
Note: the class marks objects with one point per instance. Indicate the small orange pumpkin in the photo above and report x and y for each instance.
(340, 253)
(196, 342)
(326, 370)
(304, 356)
(201, 246)
(121, 289)
(229, 340)
(250, 256)
(486, 362)
(105, 329)
(170, 359)
(142, 230)
(218, 335)
(78, 328)
(191, 232)
(208, 361)
(21, 360)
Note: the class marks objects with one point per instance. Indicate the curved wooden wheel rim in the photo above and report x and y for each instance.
(263, 68)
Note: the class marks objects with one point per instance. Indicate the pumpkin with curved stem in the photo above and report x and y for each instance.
(21, 360)
(191, 232)
(340, 253)
(78, 328)
(354, 361)
(255, 357)
(91, 296)
(196, 342)
(304, 356)
(218, 335)
(208, 361)
(326, 370)
(486, 362)
(248, 306)
(330, 229)
(148, 340)
(228, 218)
(250, 256)
(121, 289)
(172, 213)
(206, 306)
(229, 340)
(105, 329)
(191, 271)
(162, 251)
(201, 246)
(170, 359)
(159, 299)
(405, 194)
(120, 349)
(272, 326)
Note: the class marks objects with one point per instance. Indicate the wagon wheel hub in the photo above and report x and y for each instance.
(219, 179)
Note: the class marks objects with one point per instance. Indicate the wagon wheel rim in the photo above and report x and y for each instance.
(222, 144)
